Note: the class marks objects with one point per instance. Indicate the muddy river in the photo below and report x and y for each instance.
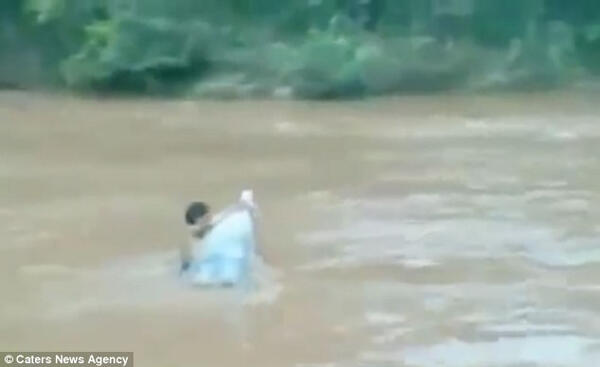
(418, 231)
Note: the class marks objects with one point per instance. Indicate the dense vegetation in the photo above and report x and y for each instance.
(302, 48)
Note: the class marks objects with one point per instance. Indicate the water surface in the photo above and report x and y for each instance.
(425, 231)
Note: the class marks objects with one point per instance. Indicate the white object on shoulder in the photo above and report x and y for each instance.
(247, 197)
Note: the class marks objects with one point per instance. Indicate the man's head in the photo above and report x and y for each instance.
(198, 217)
(195, 212)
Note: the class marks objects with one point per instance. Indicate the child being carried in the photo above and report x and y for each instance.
(222, 247)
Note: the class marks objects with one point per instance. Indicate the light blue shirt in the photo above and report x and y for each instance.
(224, 256)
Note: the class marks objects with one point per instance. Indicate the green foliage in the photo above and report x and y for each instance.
(498, 22)
(129, 53)
(45, 10)
(322, 67)
(313, 48)
(588, 47)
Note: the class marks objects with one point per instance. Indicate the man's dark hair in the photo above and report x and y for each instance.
(195, 211)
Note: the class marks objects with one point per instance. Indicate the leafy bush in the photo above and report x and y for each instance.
(131, 53)
(588, 47)
(314, 48)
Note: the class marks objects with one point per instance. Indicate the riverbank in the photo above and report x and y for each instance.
(220, 54)
(324, 65)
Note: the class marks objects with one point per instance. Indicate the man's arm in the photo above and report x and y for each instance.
(254, 215)
(217, 218)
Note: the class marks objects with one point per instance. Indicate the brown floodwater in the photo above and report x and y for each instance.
(416, 231)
